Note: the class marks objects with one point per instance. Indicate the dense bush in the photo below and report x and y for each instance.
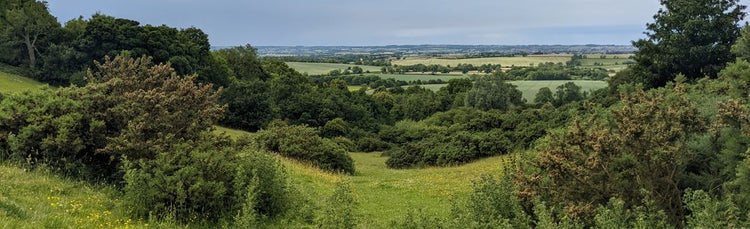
(303, 143)
(129, 108)
(371, 144)
(204, 181)
(187, 183)
(340, 211)
(463, 135)
(56, 128)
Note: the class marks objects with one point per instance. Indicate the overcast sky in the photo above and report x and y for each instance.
(385, 22)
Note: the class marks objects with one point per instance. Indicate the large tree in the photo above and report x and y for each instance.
(691, 37)
(28, 22)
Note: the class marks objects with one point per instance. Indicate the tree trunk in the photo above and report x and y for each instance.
(30, 49)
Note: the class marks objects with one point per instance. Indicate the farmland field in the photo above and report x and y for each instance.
(325, 68)
(423, 77)
(504, 61)
(530, 88)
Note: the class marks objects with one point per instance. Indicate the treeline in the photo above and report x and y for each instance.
(553, 71)
(435, 68)
(358, 59)
(60, 55)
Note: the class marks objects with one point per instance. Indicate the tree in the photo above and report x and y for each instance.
(691, 37)
(492, 92)
(741, 48)
(568, 92)
(29, 22)
(357, 70)
(544, 96)
(244, 62)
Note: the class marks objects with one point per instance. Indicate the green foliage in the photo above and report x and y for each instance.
(492, 92)
(741, 48)
(206, 181)
(340, 211)
(544, 96)
(707, 212)
(243, 60)
(600, 158)
(493, 203)
(553, 71)
(303, 143)
(689, 37)
(346, 143)
(416, 104)
(248, 105)
(29, 24)
(188, 183)
(335, 128)
(463, 135)
(568, 93)
(371, 144)
(129, 109)
(57, 128)
(150, 108)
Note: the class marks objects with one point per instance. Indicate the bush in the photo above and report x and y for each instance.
(457, 148)
(371, 144)
(55, 128)
(205, 182)
(346, 143)
(303, 143)
(339, 212)
(188, 183)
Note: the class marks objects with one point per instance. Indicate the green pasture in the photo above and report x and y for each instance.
(325, 68)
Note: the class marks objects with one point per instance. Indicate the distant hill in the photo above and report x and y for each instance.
(439, 50)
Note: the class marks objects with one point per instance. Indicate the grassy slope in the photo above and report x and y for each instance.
(39, 200)
(324, 68)
(384, 194)
(11, 83)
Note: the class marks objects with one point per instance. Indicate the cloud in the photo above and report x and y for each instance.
(366, 22)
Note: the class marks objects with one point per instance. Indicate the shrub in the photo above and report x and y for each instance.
(55, 128)
(493, 202)
(339, 212)
(187, 183)
(371, 144)
(303, 143)
(206, 182)
(346, 143)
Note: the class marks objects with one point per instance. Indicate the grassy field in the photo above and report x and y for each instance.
(530, 88)
(11, 83)
(504, 61)
(325, 68)
(384, 194)
(37, 199)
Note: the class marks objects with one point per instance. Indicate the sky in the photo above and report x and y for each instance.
(385, 22)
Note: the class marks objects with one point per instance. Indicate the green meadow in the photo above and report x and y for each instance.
(325, 68)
